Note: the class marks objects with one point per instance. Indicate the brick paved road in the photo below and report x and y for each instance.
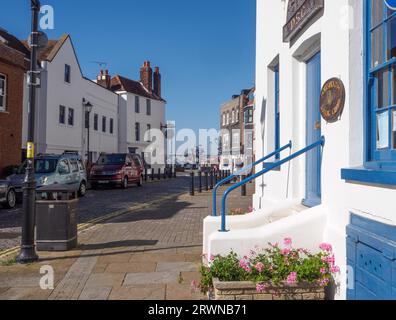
(153, 253)
(96, 203)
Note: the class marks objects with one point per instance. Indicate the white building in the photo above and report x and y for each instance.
(343, 194)
(60, 115)
(141, 114)
(61, 119)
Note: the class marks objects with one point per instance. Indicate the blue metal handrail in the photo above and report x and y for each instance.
(244, 169)
(275, 165)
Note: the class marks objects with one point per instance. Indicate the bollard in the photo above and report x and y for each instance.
(170, 172)
(165, 173)
(174, 173)
(211, 180)
(206, 181)
(243, 189)
(159, 174)
(200, 181)
(145, 175)
(152, 174)
(192, 187)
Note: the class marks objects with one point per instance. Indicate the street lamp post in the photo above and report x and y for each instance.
(28, 249)
(88, 109)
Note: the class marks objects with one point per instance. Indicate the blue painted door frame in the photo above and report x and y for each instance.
(313, 132)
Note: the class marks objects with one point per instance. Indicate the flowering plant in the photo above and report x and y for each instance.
(275, 265)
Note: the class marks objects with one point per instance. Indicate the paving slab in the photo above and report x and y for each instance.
(95, 293)
(157, 257)
(182, 292)
(105, 280)
(176, 266)
(131, 267)
(25, 294)
(143, 292)
(151, 278)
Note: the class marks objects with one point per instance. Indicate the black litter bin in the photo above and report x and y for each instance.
(56, 218)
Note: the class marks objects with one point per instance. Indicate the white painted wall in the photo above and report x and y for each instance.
(340, 32)
(128, 118)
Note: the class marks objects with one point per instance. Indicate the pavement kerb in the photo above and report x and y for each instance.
(85, 226)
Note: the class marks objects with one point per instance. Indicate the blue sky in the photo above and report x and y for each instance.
(205, 49)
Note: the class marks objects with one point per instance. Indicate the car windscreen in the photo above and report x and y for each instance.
(112, 159)
(45, 165)
(41, 166)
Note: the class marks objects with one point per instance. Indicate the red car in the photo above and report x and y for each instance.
(118, 169)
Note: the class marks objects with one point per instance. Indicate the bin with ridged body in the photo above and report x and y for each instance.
(56, 218)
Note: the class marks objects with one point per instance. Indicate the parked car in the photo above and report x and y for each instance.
(67, 169)
(119, 169)
(8, 194)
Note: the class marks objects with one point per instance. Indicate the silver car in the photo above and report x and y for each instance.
(66, 169)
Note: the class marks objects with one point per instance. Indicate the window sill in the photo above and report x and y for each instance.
(369, 176)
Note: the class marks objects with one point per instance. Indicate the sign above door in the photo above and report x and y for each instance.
(299, 13)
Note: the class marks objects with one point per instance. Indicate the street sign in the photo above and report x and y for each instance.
(391, 4)
(42, 40)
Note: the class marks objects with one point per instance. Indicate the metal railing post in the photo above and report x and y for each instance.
(239, 172)
(270, 167)
(192, 187)
(206, 181)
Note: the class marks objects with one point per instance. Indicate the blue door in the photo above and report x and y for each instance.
(313, 129)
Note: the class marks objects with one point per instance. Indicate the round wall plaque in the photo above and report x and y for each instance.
(332, 100)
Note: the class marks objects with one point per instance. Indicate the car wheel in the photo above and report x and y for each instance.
(11, 199)
(140, 183)
(125, 183)
(82, 191)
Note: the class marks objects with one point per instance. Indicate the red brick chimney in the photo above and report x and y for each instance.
(104, 79)
(157, 82)
(146, 76)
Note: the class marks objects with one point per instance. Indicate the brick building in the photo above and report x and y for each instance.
(13, 66)
(236, 131)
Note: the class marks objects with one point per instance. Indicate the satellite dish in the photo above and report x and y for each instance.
(42, 40)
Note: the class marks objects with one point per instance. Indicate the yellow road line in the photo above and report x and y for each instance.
(93, 222)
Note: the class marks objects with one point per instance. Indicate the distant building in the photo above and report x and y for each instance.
(13, 66)
(141, 110)
(233, 115)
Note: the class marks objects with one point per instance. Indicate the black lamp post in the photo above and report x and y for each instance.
(88, 109)
(28, 249)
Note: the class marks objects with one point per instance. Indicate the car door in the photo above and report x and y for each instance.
(64, 176)
(74, 173)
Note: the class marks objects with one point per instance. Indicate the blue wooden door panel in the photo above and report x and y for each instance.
(371, 255)
(373, 262)
(313, 132)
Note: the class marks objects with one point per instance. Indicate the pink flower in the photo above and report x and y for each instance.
(245, 265)
(212, 258)
(292, 278)
(335, 269)
(323, 270)
(288, 242)
(261, 287)
(259, 267)
(285, 252)
(324, 282)
(326, 247)
(250, 209)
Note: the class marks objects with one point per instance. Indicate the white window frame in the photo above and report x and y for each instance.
(3, 108)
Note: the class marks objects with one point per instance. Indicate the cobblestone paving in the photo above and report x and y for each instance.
(150, 254)
(96, 203)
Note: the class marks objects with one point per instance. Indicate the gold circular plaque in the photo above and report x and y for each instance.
(332, 100)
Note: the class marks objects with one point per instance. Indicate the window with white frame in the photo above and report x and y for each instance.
(224, 119)
(233, 116)
(3, 92)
